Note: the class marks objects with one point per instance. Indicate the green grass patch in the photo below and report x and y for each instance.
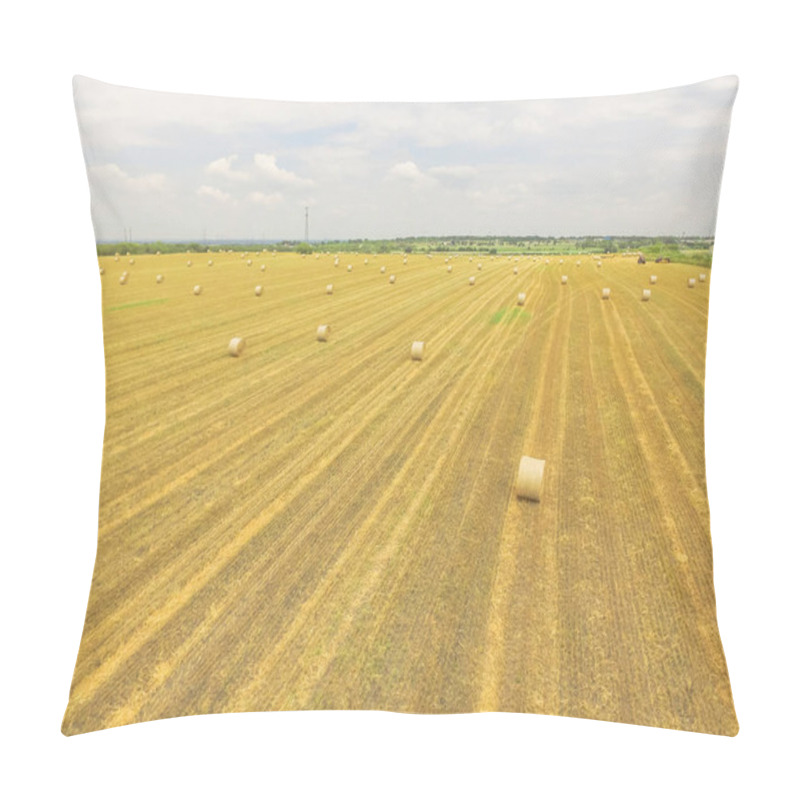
(507, 317)
(139, 303)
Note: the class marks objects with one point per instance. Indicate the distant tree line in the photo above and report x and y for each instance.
(690, 250)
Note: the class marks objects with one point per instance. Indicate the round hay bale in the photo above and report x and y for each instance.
(159, 278)
(606, 293)
(131, 261)
(197, 289)
(249, 262)
(383, 270)
(210, 263)
(236, 346)
(516, 271)
(349, 267)
(116, 258)
(449, 267)
(529, 478)
(645, 294)
(329, 289)
(258, 291)
(263, 267)
(577, 263)
(158, 252)
(654, 279)
(521, 299)
(471, 280)
(366, 261)
(391, 279)
(322, 333)
(480, 266)
(123, 279)
(416, 351)
(560, 260)
(702, 277)
(188, 263)
(691, 283)
(563, 279)
(102, 271)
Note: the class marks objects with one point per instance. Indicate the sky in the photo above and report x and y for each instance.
(176, 167)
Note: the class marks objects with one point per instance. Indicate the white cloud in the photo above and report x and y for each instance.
(454, 171)
(223, 167)
(270, 200)
(409, 171)
(268, 165)
(214, 193)
(113, 173)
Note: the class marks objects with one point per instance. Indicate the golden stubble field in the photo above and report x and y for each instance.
(333, 525)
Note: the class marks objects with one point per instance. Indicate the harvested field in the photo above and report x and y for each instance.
(336, 526)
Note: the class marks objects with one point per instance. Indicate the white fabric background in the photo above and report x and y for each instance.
(52, 395)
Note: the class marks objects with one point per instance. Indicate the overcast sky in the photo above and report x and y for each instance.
(188, 167)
